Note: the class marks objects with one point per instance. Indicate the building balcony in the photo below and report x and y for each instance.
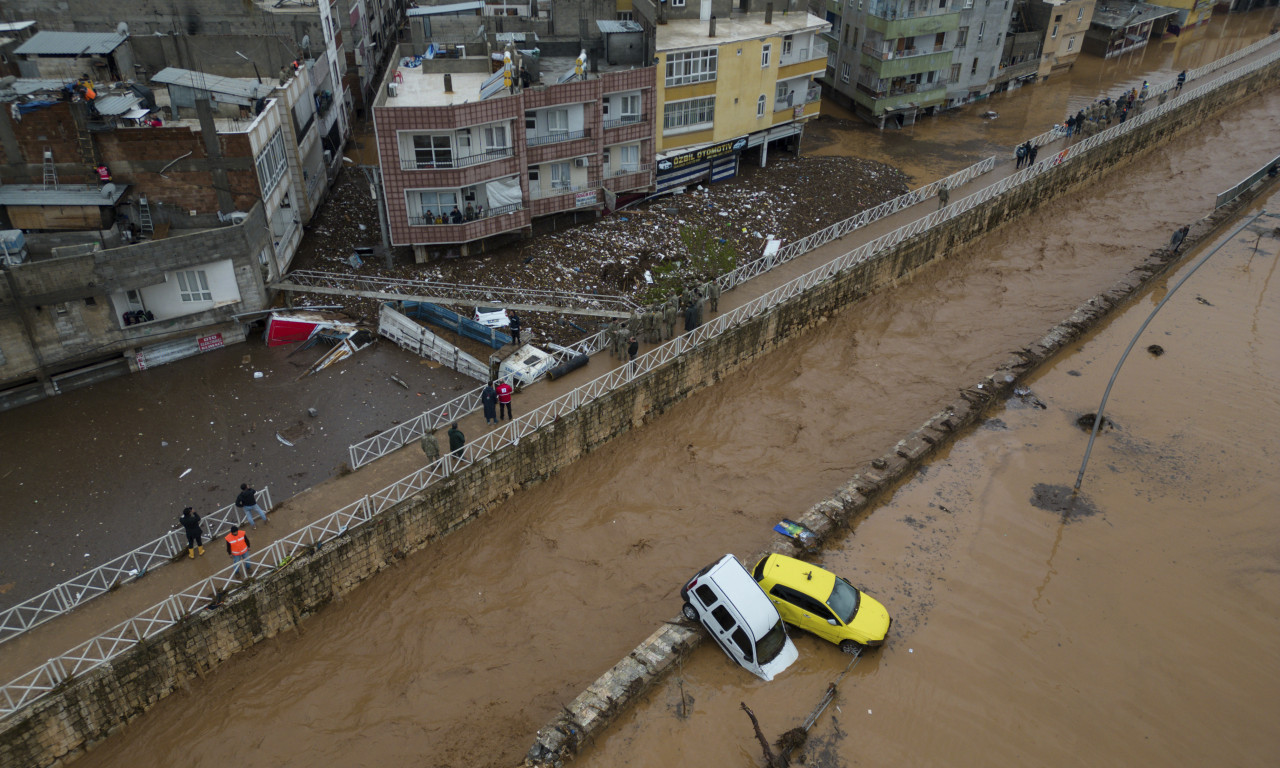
(625, 120)
(1015, 71)
(795, 99)
(557, 137)
(494, 221)
(807, 109)
(887, 69)
(904, 53)
(902, 24)
(457, 161)
(882, 100)
(818, 50)
(625, 182)
(565, 199)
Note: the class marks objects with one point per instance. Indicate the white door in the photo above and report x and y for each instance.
(704, 12)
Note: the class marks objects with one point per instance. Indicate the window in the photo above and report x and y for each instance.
(605, 160)
(962, 37)
(625, 16)
(689, 114)
(764, 54)
(844, 72)
(1080, 15)
(629, 157)
(780, 93)
(432, 150)
(760, 105)
(436, 204)
(272, 164)
(558, 120)
(677, 3)
(1054, 33)
(723, 617)
(705, 594)
(955, 72)
(787, 40)
(741, 640)
(1071, 43)
(560, 176)
(533, 173)
(531, 121)
(973, 70)
(193, 285)
(968, 3)
(1057, 18)
(691, 67)
(982, 27)
(495, 137)
(630, 108)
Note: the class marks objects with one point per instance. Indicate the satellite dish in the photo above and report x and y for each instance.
(122, 29)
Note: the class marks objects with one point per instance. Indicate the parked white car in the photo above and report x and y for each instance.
(740, 617)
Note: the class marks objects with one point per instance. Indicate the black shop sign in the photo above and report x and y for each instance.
(706, 153)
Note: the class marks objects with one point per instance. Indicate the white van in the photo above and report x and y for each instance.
(739, 615)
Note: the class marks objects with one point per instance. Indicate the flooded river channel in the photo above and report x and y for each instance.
(459, 653)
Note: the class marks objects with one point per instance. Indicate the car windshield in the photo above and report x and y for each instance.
(771, 644)
(844, 600)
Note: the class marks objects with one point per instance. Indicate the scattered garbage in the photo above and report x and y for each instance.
(185, 472)
(257, 374)
(283, 441)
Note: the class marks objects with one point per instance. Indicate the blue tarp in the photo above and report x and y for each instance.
(463, 326)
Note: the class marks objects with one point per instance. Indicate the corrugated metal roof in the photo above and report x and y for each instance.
(27, 86)
(115, 105)
(71, 43)
(200, 81)
(436, 10)
(15, 26)
(68, 194)
(516, 37)
(609, 26)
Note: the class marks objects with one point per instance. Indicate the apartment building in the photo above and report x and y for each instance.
(471, 156)
(1064, 24)
(730, 80)
(1121, 26)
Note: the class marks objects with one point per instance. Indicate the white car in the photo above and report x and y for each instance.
(740, 617)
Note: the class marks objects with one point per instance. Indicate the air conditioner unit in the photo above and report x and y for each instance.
(582, 162)
(393, 89)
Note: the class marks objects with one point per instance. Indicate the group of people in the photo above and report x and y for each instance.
(1026, 153)
(455, 216)
(136, 316)
(237, 540)
(1099, 115)
(658, 323)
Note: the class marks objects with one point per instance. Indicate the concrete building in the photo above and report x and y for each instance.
(1191, 14)
(978, 51)
(729, 80)
(1121, 26)
(1064, 24)
(453, 136)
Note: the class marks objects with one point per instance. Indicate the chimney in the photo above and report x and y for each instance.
(448, 83)
(768, 13)
(712, 32)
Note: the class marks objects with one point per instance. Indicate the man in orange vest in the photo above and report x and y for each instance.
(238, 548)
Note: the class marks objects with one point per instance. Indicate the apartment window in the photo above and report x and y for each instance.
(1054, 33)
(780, 93)
(764, 54)
(844, 72)
(760, 104)
(193, 285)
(560, 176)
(689, 113)
(432, 151)
(558, 120)
(605, 161)
(968, 3)
(1058, 17)
(973, 70)
(691, 66)
(787, 42)
(677, 3)
(629, 157)
(962, 37)
(955, 72)
(272, 164)
(495, 137)
(533, 173)
(630, 107)
(981, 28)
(531, 121)
(625, 16)
(1071, 43)
(1080, 15)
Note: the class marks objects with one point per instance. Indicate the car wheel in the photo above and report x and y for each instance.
(849, 646)
(689, 612)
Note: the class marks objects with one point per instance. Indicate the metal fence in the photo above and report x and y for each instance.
(80, 589)
(175, 608)
(1234, 192)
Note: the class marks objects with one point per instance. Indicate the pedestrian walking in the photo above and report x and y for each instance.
(633, 347)
(514, 325)
(504, 400)
(238, 548)
(195, 535)
(430, 446)
(1182, 79)
(713, 295)
(248, 501)
(489, 399)
(1021, 154)
(1031, 157)
(944, 196)
(456, 440)
(1179, 236)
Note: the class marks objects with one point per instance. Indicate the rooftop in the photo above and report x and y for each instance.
(419, 89)
(682, 34)
(469, 9)
(243, 87)
(65, 194)
(15, 26)
(1117, 14)
(71, 43)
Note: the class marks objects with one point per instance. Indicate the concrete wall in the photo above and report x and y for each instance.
(91, 707)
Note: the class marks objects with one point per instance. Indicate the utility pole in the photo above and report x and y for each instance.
(373, 174)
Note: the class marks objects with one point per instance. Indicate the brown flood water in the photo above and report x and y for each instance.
(1138, 628)
(456, 656)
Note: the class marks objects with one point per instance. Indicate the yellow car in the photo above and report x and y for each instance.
(818, 601)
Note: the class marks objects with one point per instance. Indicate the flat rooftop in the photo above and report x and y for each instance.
(682, 34)
(417, 89)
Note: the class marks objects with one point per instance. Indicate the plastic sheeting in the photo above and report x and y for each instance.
(503, 192)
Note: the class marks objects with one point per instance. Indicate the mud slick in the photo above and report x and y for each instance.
(591, 711)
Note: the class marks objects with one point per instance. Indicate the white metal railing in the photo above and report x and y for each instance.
(84, 657)
(101, 579)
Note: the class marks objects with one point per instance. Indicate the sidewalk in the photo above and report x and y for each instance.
(37, 645)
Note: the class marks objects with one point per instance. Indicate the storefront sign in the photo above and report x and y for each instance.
(583, 199)
(207, 343)
(706, 153)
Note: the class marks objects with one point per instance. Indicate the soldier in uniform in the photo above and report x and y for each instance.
(713, 294)
(669, 320)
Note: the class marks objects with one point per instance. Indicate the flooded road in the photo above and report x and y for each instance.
(456, 655)
(1136, 627)
(949, 141)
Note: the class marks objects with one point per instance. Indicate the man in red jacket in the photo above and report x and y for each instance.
(504, 400)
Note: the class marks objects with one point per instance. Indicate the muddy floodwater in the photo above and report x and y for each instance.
(1135, 626)
(459, 653)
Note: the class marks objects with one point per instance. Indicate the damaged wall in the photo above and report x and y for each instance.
(87, 709)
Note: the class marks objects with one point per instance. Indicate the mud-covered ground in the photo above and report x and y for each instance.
(788, 199)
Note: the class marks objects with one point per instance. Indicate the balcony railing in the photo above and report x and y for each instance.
(904, 53)
(556, 138)
(623, 170)
(458, 161)
(1014, 71)
(876, 91)
(557, 188)
(892, 12)
(423, 221)
(624, 120)
(795, 98)
(816, 51)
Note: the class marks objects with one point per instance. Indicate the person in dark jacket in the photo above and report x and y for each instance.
(191, 526)
(514, 327)
(248, 501)
(633, 347)
(489, 399)
(456, 440)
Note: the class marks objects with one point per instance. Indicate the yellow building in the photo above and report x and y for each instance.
(1191, 13)
(729, 85)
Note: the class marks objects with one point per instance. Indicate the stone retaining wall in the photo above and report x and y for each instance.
(60, 725)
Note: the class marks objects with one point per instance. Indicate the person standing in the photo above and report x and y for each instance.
(690, 318)
(504, 400)
(668, 321)
(489, 399)
(1178, 237)
(713, 293)
(195, 535)
(1182, 79)
(456, 440)
(514, 325)
(430, 446)
(633, 347)
(1021, 154)
(944, 196)
(248, 501)
(1031, 158)
(238, 548)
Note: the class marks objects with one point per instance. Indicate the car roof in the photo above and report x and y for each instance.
(745, 594)
(799, 575)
